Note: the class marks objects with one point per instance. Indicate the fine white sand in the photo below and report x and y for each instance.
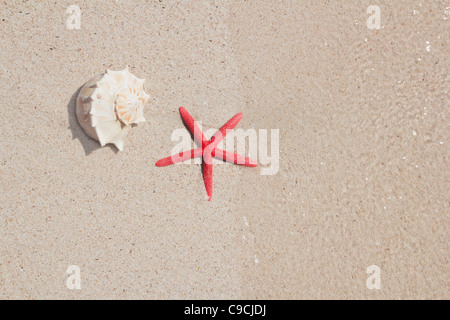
(363, 171)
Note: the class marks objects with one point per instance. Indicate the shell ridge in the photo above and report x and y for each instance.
(109, 104)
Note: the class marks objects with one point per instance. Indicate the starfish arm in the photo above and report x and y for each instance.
(235, 158)
(179, 157)
(192, 125)
(223, 131)
(208, 175)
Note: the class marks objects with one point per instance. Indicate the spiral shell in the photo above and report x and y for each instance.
(109, 104)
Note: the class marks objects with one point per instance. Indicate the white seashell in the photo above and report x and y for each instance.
(109, 104)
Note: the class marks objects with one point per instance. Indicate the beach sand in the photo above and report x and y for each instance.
(363, 172)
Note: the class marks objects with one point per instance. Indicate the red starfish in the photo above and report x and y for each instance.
(208, 149)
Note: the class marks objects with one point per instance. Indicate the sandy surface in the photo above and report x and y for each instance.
(363, 178)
